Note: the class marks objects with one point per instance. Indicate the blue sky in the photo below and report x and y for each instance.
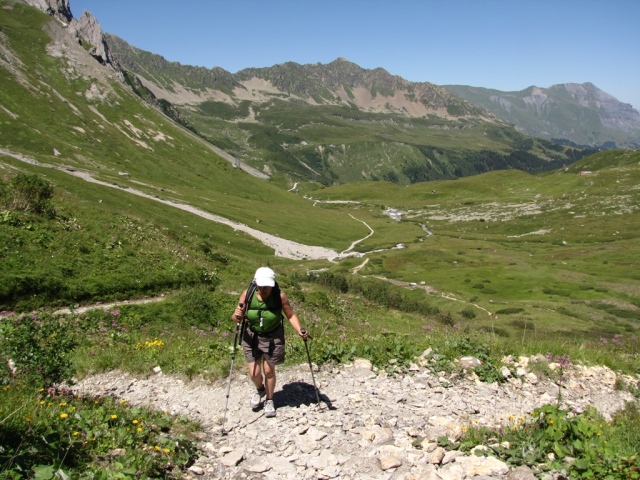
(503, 44)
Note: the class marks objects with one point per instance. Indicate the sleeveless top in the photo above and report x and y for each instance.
(263, 317)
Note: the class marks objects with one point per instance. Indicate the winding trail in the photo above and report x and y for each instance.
(283, 248)
(346, 252)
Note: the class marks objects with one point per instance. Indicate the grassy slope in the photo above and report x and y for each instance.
(52, 114)
(561, 247)
(559, 286)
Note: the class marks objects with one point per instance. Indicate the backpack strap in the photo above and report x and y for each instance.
(251, 290)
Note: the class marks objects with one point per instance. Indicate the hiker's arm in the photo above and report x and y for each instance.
(238, 313)
(291, 315)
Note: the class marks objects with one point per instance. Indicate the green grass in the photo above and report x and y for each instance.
(552, 257)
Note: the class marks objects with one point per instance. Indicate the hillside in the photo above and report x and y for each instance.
(74, 121)
(440, 312)
(338, 123)
(570, 112)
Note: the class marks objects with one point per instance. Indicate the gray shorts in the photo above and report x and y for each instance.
(267, 345)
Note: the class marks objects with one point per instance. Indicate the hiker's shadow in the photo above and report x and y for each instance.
(295, 394)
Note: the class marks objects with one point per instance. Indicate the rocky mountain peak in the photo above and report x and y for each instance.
(86, 29)
(56, 8)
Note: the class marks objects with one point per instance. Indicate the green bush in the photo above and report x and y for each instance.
(468, 313)
(41, 347)
(552, 436)
(55, 434)
(196, 306)
(28, 193)
(509, 311)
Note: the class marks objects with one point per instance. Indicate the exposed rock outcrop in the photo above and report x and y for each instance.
(370, 425)
(86, 29)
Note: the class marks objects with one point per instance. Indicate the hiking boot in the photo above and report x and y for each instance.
(269, 409)
(256, 400)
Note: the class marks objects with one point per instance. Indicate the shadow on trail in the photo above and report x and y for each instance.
(295, 394)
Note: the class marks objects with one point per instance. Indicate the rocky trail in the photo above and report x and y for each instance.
(368, 425)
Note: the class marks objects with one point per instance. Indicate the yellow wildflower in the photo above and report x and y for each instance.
(551, 422)
(114, 417)
(28, 419)
(138, 430)
(63, 404)
(135, 422)
(166, 450)
(75, 434)
(63, 415)
(41, 402)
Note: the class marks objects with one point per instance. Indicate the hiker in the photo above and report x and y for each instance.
(263, 336)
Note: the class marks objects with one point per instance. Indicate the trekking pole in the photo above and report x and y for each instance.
(303, 331)
(239, 328)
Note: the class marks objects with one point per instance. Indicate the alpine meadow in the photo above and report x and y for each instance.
(405, 224)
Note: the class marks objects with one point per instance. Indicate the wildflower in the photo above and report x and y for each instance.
(114, 417)
(75, 434)
(135, 422)
(138, 429)
(166, 450)
(115, 313)
(157, 448)
(28, 419)
(63, 404)
(63, 415)
(550, 422)
(427, 327)
(41, 390)
(41, 402)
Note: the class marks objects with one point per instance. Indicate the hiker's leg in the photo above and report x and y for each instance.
(255, 372)
(270, 379)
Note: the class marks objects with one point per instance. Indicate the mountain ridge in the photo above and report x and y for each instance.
(333, 83)
(552, 112)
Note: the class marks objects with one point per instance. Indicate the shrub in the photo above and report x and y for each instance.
(196, 306)
(41, 347)
(509, 310)
(29, 193)
(468, 313)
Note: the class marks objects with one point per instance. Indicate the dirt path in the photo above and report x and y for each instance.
(283, 248)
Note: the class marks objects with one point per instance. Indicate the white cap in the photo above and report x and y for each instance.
(265, 277)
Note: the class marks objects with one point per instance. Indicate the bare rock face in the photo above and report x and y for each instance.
(86, 29)
(56, 8)
(89, 30)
